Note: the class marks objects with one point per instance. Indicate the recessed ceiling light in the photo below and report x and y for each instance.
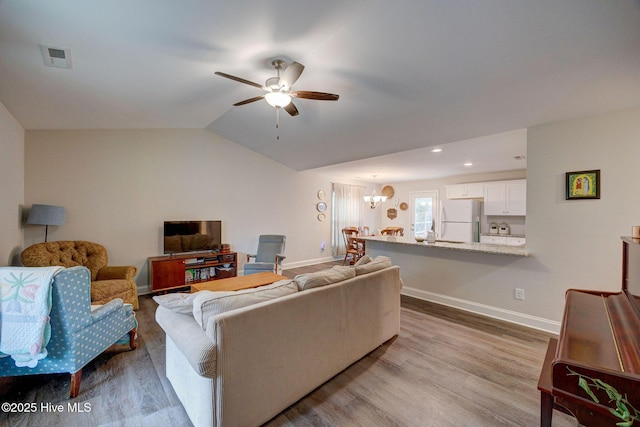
(468, 164)
(436, 150)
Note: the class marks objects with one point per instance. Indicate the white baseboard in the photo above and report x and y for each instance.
(144, 290)
(486, 310)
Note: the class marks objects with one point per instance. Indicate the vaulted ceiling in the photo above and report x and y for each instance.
(410, 74)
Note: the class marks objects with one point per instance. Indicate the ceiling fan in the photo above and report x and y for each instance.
(278, 89)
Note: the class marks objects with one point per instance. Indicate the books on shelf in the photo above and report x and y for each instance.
(199, 274)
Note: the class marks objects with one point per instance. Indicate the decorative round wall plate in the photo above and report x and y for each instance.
(321, 206)
(388, 191)
(404, 206)
(321, 194)
(321, 217)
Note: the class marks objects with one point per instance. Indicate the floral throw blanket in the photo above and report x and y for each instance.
(25, 303)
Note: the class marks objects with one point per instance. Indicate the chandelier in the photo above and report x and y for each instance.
(374, 200)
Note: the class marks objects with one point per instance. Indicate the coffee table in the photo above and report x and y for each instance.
(237, 283)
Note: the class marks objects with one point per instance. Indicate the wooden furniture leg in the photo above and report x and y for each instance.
(545, 385)
(546, 409)
(132, 338)
(76, 377)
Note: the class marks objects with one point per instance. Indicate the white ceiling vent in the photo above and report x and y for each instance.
(56, 57)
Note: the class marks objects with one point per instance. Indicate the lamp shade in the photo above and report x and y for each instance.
(46, 215)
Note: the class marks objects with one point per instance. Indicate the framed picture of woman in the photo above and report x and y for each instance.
(583, 185)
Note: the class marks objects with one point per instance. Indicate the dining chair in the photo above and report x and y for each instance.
(364, 230)
(392, 231)
(353, 246)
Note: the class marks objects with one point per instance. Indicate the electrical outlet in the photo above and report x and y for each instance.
(518, 293)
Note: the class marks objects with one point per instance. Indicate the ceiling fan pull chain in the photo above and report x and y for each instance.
(277, 123)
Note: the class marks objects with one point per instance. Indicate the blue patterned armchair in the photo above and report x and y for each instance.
(78, 333)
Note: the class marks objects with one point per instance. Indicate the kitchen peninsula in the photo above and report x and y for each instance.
(485, 248)
(477, 277)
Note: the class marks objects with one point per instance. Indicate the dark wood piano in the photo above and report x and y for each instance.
(599, 338)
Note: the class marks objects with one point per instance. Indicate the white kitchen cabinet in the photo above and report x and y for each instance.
(516, 241)
(494, 240)
(505, 197)
(465, 191)
(503, 240)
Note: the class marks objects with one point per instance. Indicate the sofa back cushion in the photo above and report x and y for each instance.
(377, 263)
(335, 274)
(211, 303)
(67, 253)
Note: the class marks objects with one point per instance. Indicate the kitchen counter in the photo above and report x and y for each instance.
(519, 251)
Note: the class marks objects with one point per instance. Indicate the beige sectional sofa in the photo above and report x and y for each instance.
(243, 366)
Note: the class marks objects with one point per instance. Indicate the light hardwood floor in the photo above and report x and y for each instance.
(446, 368)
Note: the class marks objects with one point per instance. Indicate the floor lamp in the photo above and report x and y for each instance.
(46, 215)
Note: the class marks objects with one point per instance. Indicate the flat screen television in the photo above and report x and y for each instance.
(192, 236)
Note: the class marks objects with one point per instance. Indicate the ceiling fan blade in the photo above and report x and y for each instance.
(291, 75)
(291, 109)
(247, 101)
(238, 79)
(321, 96)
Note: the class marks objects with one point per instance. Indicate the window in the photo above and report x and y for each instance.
(346, 211)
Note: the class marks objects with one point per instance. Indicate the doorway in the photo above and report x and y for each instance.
(424, 212)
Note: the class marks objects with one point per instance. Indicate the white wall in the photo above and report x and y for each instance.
(119, 187)
(578, 241)
(12, 187)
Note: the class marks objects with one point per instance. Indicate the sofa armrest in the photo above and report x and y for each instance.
(106, 309)
(190, 339)
(249, 256)
(117, 272)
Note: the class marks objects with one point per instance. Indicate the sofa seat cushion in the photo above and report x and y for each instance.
(211, 303)
(334, 274)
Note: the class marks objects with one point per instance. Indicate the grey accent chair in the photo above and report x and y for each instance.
(269, 256)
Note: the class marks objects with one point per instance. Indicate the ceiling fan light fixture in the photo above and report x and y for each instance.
(278, 99)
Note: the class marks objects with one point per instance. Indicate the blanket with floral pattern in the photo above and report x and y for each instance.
(25, 303)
